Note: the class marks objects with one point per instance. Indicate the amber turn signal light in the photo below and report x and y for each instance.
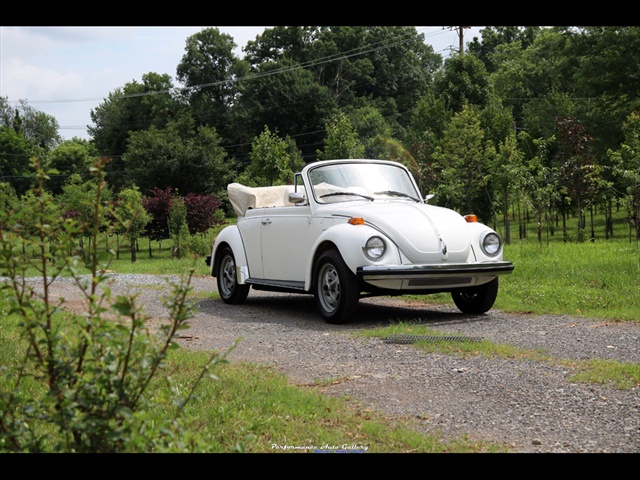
(471, 218)
(356, 221)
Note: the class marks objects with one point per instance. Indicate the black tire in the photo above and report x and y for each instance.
(476, 300)
(230, 290)
(335, 289)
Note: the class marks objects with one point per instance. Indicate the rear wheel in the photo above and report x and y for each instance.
(335, 289)
(476, 300)
(230, 290)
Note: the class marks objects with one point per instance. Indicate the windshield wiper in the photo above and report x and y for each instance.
(347, 193)
(394, 193)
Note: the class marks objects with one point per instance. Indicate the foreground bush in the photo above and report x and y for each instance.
(83, 383)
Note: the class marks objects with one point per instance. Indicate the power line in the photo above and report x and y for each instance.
(362, 50)
(312, 63)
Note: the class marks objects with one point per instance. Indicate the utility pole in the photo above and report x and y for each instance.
(460, 31)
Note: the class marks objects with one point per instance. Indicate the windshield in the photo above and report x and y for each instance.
(347, 182)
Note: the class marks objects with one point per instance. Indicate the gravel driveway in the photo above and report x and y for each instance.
(528, 406)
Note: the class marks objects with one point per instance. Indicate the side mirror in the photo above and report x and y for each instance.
(296, 197)
(428, 197)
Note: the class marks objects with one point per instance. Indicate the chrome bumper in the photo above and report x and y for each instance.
(391, 272)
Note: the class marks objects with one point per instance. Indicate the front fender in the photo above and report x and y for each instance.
(228, 236)
(348, 240)
(477, 230)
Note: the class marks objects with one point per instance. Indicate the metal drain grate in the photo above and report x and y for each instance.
(405, 338)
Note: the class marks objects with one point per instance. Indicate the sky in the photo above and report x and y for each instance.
(66, 72)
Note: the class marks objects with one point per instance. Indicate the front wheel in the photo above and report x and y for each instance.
(335, 289)
(228, 287)
(476, 300)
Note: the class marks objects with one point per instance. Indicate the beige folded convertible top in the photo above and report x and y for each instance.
(242, 197)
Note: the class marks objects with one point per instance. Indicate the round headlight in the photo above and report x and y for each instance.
(374, 248)
(491, 244)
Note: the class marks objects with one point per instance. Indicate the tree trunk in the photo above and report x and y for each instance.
(608, 214)
(637, 211)
(520, 228)
(133, 251)
(540, 227)
(507, 225)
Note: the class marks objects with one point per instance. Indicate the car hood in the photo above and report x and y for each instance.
(425, 233)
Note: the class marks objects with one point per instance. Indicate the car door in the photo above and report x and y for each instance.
(285, 242)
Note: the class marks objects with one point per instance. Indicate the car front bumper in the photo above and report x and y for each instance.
(403, 277)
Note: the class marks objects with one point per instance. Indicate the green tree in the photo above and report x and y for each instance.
(38, 128)
(8, 198)
(541, 69)
(180, 156)
(462, 164)
(6, 112)
(76, 202)
(15, 160)
(178, 227)
(207, 72)
(300, 75)
(492, 37)
(69, 157)
(626, 168)
(507, 173)
(77, 195)
(429, 120)
(296, 162)
(342, 140)
(132, 108)
(373, 130)
(539, 114)
(540, 186)
(288, 100)
(496, 121)
(388, 67)
(463, 81)
(276, 43)
(579, 170)
(270, 158)
(131, 213)
(605, 67)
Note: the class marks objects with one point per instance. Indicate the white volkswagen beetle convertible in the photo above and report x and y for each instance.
(352, 228)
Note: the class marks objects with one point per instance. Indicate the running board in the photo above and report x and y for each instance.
(276, 285)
